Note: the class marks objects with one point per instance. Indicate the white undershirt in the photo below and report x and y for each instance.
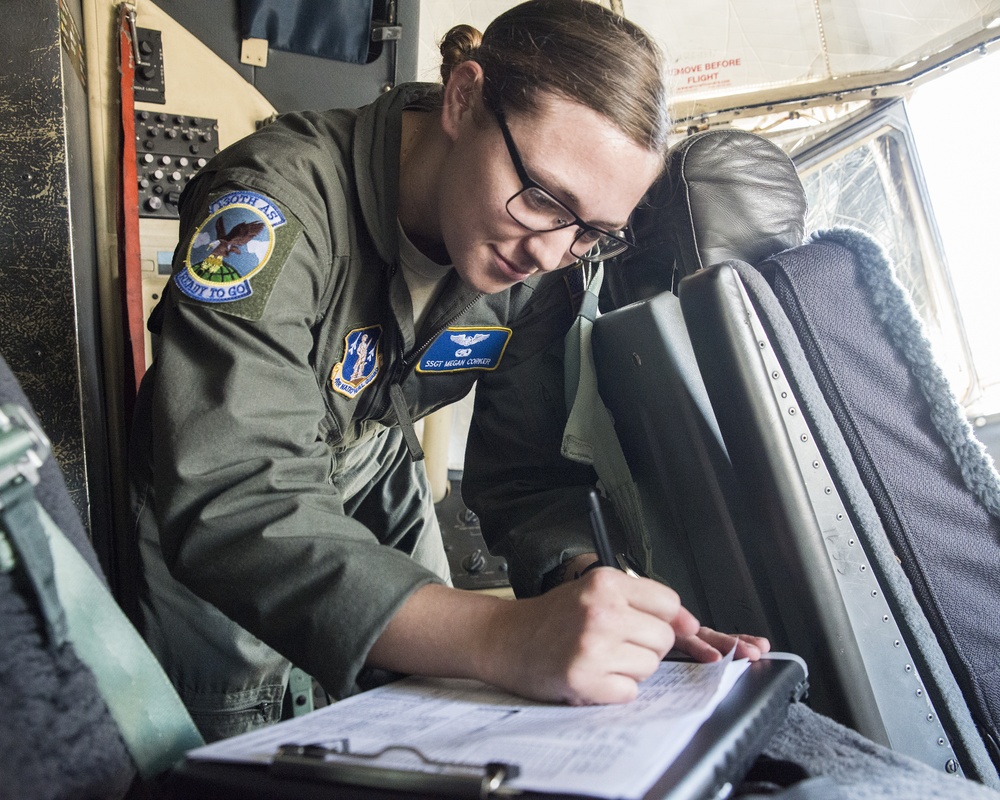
(423, 276)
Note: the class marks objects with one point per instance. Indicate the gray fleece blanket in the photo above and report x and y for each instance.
(848, 765)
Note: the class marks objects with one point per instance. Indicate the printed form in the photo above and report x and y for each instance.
(611, 751)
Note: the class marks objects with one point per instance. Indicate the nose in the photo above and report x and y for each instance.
(550, 250)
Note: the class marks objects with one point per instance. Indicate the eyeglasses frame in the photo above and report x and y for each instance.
(528, 183)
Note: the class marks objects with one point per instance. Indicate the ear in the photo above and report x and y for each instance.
(462, 94)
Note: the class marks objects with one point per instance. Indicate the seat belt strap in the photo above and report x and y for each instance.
(152, 720)
(590, 437)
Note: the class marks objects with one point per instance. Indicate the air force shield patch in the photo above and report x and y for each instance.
(361, 362)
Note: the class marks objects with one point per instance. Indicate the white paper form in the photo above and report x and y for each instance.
(607, 751)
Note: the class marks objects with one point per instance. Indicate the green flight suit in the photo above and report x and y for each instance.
(279, 514)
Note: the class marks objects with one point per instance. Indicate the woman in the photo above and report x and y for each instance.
(339, 275)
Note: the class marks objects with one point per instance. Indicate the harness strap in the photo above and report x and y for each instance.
(589, 436)
(78, 608)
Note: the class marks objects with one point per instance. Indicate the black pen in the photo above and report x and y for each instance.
(602, 545)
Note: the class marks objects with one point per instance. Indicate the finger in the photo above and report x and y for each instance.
(760, 642)
(685, 623)
(643, 594)
(746, 646)
(751, 647)
(698, 649)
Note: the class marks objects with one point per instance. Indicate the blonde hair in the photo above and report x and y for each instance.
(574, 48)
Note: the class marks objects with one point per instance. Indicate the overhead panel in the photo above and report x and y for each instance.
(725, 54)
(730, 53)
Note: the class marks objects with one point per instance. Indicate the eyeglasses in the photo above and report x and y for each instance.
(536, 209)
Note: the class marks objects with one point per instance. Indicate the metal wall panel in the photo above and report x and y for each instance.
(291, 81)
(48, 294)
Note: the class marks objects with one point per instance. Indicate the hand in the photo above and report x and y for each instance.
(590, 640)
(708, 645)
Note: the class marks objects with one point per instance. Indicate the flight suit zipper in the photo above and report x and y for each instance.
(396, 397)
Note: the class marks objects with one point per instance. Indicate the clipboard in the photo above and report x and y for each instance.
(720, 754)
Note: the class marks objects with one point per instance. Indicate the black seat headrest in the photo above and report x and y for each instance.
(725, 194)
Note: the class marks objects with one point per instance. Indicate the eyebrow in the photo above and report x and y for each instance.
(572, 202)
(572, 198)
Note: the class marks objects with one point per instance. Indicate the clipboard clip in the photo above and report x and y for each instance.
(338, 764)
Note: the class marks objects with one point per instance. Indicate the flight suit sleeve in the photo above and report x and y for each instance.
(249, 517)
(531, 501)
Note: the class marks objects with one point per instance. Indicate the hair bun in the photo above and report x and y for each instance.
(458, 45)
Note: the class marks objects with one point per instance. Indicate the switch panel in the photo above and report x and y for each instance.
(148, 84)
(472, 565)
(170, 149)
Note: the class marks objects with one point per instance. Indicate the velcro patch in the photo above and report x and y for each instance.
(361, 363)
(459, 349)
(237, 253)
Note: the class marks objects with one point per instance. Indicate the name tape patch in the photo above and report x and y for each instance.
(458, 349)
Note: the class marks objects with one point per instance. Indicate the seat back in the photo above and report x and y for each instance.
(896, 624)
(698, 520)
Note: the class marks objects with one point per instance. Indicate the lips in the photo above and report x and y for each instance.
(511, 270)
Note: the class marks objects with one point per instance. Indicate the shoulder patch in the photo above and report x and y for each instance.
(361, 362)
(460, 349)
(237, 253)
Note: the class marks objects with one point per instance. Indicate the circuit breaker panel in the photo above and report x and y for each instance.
(170, 149)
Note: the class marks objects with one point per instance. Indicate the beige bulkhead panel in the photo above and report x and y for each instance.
(197, 84)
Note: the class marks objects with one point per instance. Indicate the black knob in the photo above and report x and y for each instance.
(145, 47)
(173, 198)
(474, 562)
(154, 203)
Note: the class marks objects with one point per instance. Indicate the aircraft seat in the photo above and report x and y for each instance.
(869, 551)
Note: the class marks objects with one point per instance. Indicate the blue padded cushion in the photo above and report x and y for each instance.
(935, 488)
